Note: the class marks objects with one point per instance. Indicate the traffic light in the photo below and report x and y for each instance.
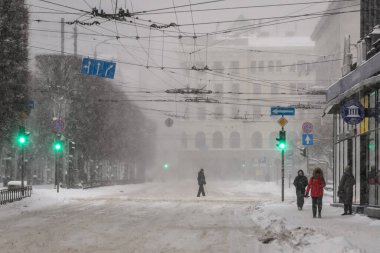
(22, 138)
(166, 166)
(303, 152)
(281, 141)
(58, 146)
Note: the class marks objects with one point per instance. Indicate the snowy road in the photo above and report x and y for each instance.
(234, 217)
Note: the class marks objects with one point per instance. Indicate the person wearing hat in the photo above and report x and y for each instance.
(300, 182)
(201, 182)
(346, 191)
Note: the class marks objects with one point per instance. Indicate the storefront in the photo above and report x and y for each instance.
(357, 144)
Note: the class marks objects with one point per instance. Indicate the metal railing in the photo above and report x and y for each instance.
(10, 195)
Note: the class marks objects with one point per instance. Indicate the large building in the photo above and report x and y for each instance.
(232, 134)
(353, 102)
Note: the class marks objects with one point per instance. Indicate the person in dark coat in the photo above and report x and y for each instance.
(316, 184)
(201, 182)
(300, 182)
(346, 191)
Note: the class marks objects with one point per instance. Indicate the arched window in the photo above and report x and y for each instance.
(257, 140)
(217, 140)
(184, 140)
(272, 140)
(200, 140)
(235, 140)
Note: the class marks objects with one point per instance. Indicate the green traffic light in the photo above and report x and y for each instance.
(22, 140)
(282, 146)
(57, 146)
(166, 166)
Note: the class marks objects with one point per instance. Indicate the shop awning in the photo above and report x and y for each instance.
(370, 83)
(361, 73)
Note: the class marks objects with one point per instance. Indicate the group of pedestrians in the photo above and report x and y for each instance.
(315, 186)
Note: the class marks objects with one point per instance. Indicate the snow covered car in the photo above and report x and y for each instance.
(15, 184)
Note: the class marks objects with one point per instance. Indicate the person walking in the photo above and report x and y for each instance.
(316, 184)
(300, 182)
(346, 191)
(201, 182)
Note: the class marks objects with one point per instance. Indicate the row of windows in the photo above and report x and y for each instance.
(218, 142)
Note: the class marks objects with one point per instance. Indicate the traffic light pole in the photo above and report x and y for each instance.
(56, 172)
(22, 168)
(282, 172)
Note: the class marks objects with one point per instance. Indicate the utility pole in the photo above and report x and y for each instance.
(75, 40)
(62, 36)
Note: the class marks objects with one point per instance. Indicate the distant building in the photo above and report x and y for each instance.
(249, 73)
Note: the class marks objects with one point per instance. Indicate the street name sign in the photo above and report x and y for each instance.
(307, 139)
(283, 111)
(307, 128)
(94, 67)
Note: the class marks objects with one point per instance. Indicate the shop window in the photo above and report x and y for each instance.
(235, 140)
(217, 140)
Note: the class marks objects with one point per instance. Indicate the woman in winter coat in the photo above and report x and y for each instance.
(300, 182)
(346, 191)
(316, 184)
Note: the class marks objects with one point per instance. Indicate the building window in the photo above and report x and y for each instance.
(301, 68)
(235, 112)
(218, 66)
(257, 88)
(253, 66)
(184, 140)
(261, 66)
(235, 88)
(219, 112)
(271, 66)
(257, 140)
(274, 89)
(234, 67)
(218, 88)
(292, 68)
(201, 113)
(235, 140)
(217, 140)
(200, 140)
(278, 66)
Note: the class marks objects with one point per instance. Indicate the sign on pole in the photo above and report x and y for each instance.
(352, 112)
(307, 139)
(58, 125)
(307, 128)
(282, 121)
(282, 111)
(94, 67)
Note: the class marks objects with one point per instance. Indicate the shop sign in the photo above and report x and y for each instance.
(352, 112)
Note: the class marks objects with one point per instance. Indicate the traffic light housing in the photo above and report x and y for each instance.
(281, 141)
(303, 152)
(22, 138)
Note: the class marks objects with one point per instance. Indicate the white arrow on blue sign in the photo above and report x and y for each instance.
(307, 139)
(94, 67)
(284, 111)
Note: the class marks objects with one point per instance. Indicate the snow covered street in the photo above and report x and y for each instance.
(167, 217)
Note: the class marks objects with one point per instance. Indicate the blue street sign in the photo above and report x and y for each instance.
(284, 111)
(307, 139)
(352, 112)
(94, 67)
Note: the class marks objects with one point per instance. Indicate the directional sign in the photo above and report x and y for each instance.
(282, 121)
(307, 139)
(284, 111)
(307, 128)
(94, 67)
(352, 112)
(58, 125)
